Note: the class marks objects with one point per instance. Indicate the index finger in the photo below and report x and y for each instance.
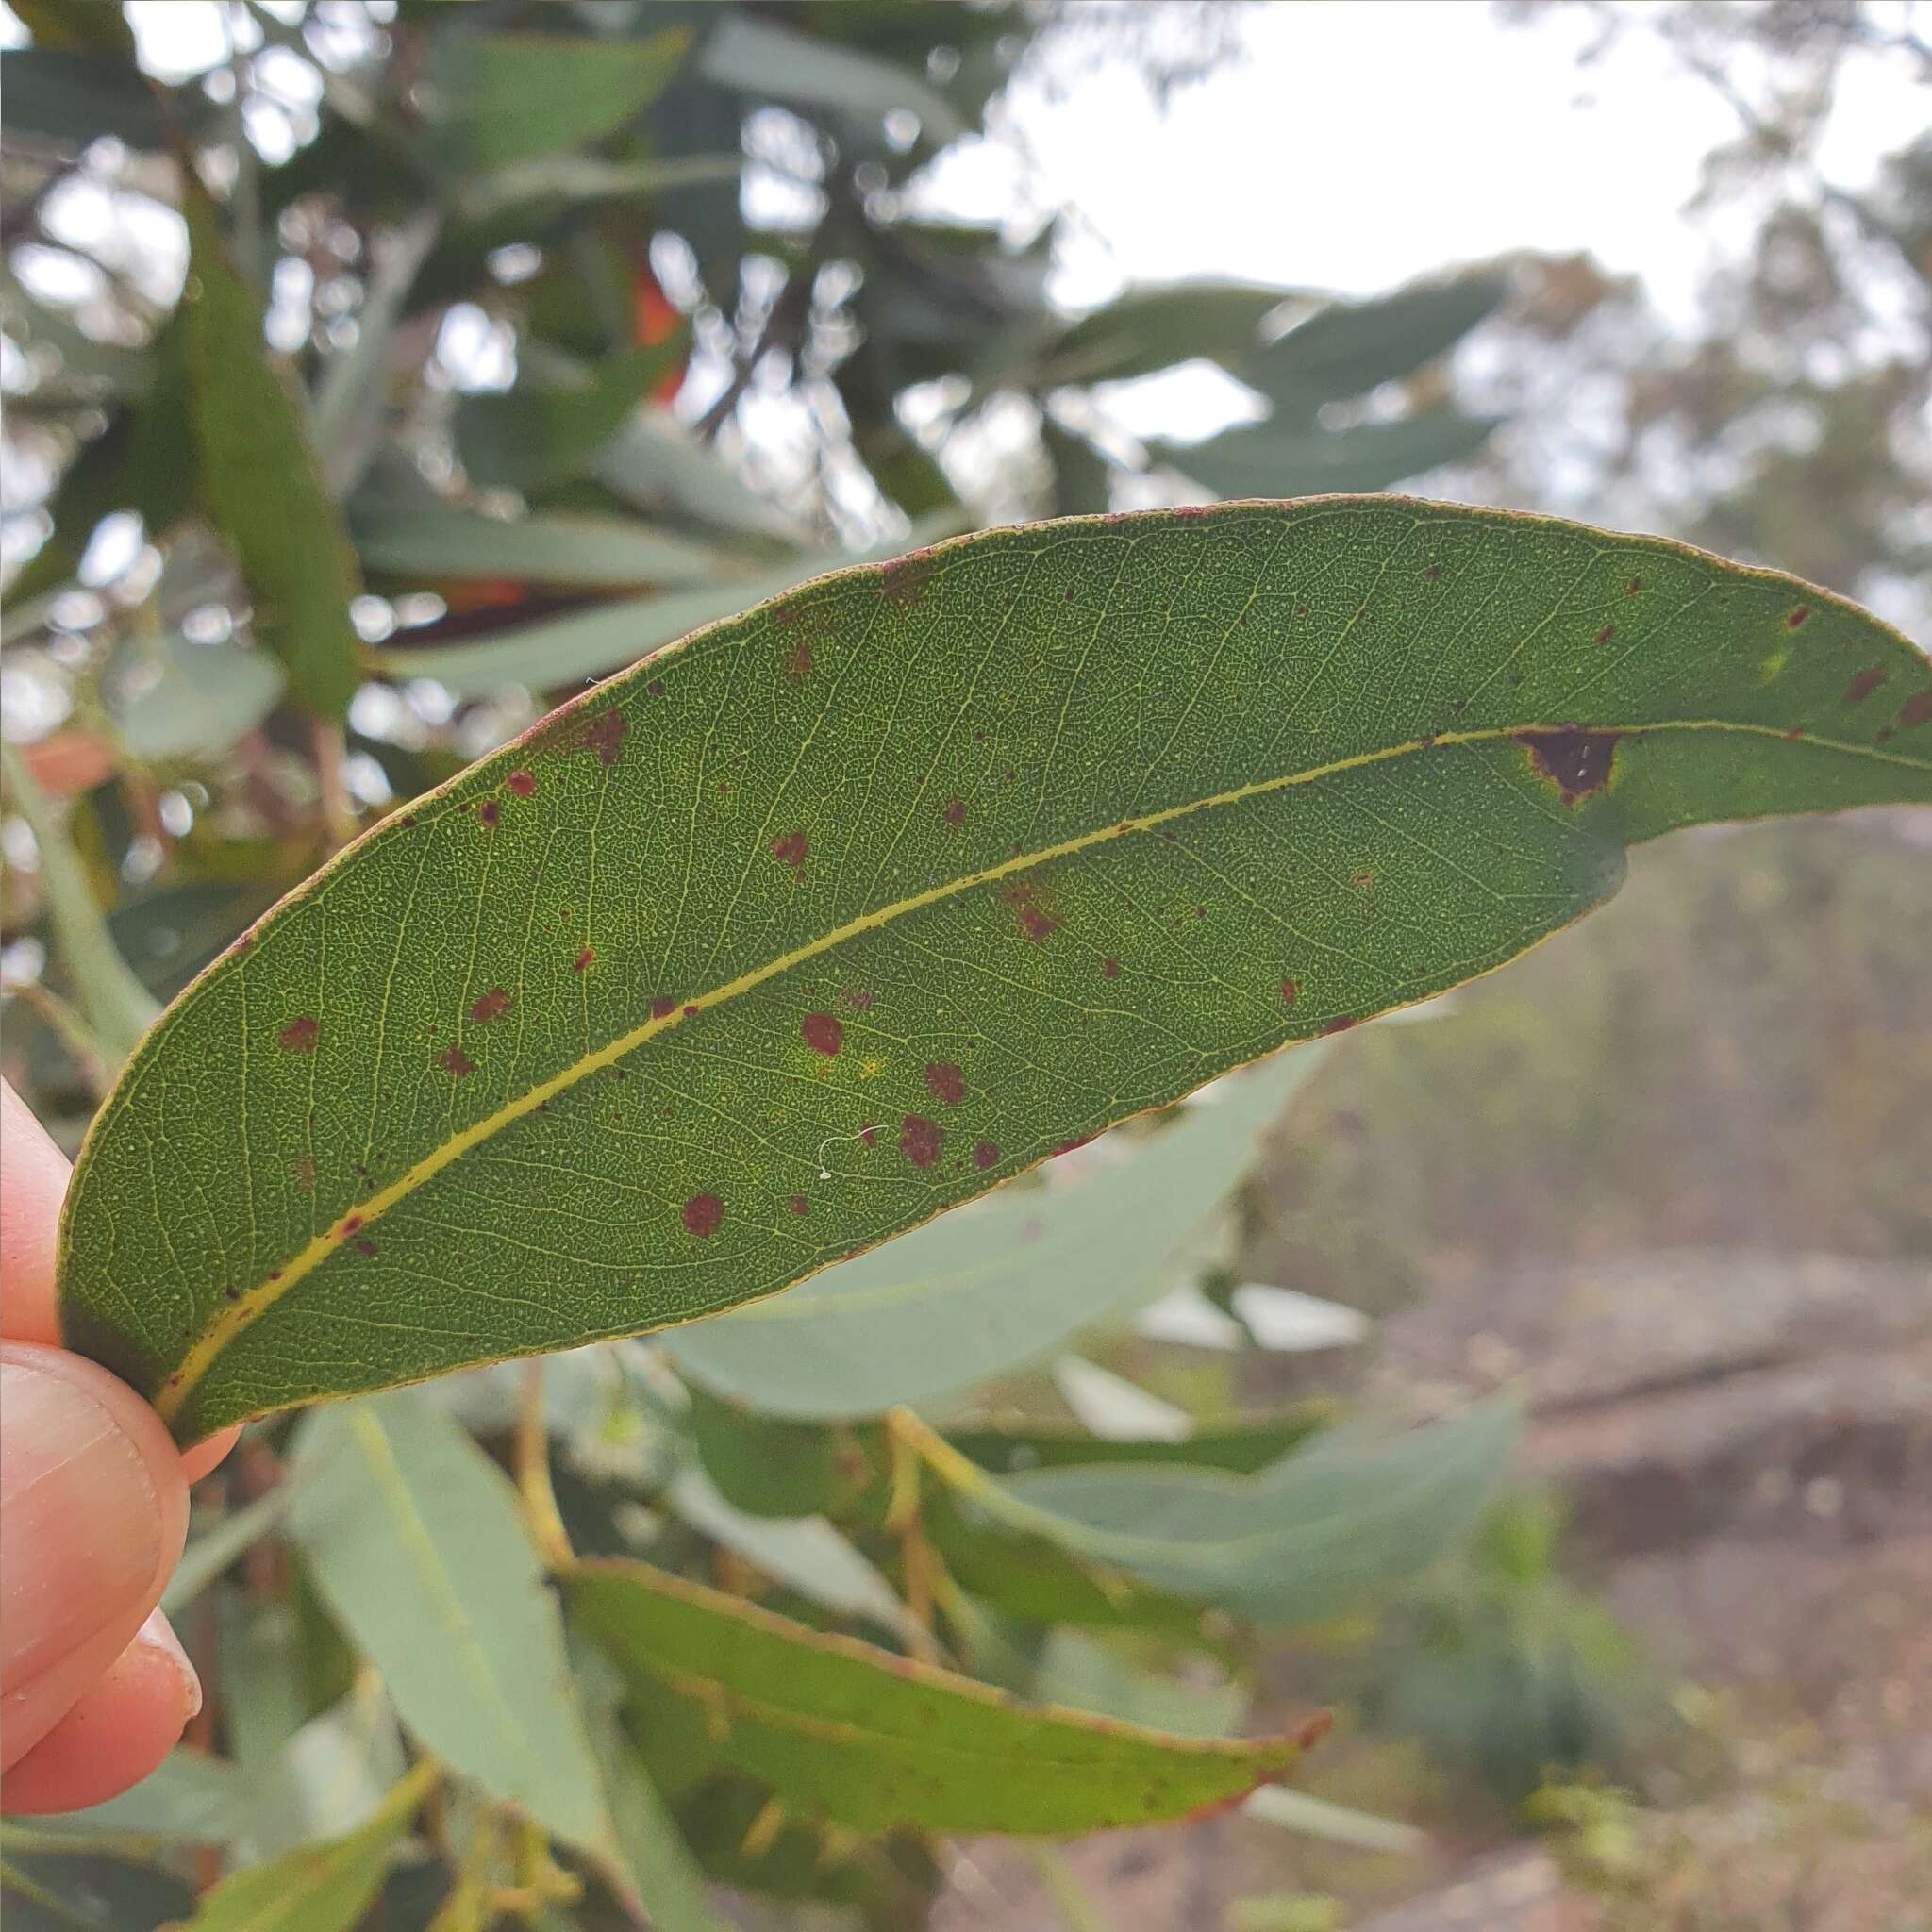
(34, 1181)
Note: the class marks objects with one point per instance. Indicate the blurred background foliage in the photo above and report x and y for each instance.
(521, 339)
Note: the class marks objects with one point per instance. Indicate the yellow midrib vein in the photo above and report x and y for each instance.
(234, 1316)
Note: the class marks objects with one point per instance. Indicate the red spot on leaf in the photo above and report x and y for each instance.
(1034, 921)
(955, 813)
(663, 1007)
(492, 1006)
(1340, 1024)
(822, 1033)
(946, 1082)
(789, 848)
(702, 1214)
(919, 1140)
(1069, 1146)
(350, 1225)
(984, 1153)
(690, 1012)
(1631, 589)
(1607, 633)
(1361, 880)
(298, 1036)
(799, 1204)
(1862, 686)
(453, 1060)
(1290, 991)
(522, 782)
(490, 811)
(604, 735)
(1916, 710)
(1110, 969)
(1797, 616)
(582, 962)
(1574, 760)
(868, 1134)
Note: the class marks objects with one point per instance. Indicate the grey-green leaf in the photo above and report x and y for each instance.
(416, 1543)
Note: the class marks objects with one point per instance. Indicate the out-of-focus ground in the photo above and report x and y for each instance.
(1671, 1176)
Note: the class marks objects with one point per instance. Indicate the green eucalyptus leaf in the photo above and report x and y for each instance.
(761, 58)
(1264, 456)
(1153, 328)
(500, 98)
(415, 1541)
(262, 478)
(431, 540)
(538, 433)
(870, 1739)
(1298, 1542)
(183, 699)
(1345, 350)
(1241, 1448)
(962, 1299)
(853, 907)
(324, 1887)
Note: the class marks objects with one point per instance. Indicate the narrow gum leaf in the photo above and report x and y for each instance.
(870, 1739)
(847, 910)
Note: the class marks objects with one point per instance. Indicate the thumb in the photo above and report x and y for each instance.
(94, 1511)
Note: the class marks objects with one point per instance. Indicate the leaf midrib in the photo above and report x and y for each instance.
(238, 1313)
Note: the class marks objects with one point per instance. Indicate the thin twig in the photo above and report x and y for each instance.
(540, 1513)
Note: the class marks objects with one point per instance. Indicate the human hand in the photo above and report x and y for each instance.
(94, 1689)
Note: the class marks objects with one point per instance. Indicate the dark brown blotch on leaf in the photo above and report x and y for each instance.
(1797, 616)
(1916, 710)
(1035, 920)
(789, 848)
(453, 1060)
(1862, 686)
(582, 962)
(1110, 969)
(492, 1006)
(522, 782)
(1574, 760)
(299, 1035)
(824, 1033)
(604, 735)
(919, 1140)
(702, 1214)
(984, 1153)
(955, 813)
(946, 1082)
(798, 1204)
(663, 1007)
(1290, 991)
(1340, 1024)
(1607, 633)
(490, 811)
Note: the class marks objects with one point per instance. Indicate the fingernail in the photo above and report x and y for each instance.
(157, 1636)
(80, 1525)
